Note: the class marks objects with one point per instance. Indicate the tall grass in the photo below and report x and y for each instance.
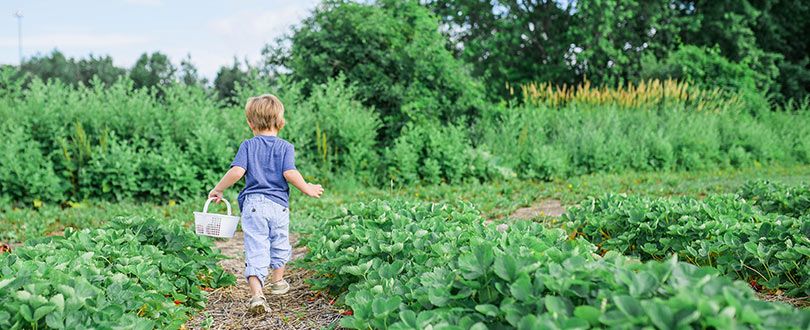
(649, 94)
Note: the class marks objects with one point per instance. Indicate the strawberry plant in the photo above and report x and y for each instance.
(133, 273)
(721, 231)
(778, 198)
(402, 265)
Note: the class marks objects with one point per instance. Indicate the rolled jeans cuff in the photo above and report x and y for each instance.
(259, 272)
(277, 264)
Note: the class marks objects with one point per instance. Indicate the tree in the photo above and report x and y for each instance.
(52, 66)
(394, 53)
(153, 70)
(227, 79)
(510, 42)
(70, 71)
(101, 68)
(188, 73)
(782, 28)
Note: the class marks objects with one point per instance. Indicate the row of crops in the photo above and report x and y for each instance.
(408, 265)
(614, 261)
(133, 273)
(761, 237)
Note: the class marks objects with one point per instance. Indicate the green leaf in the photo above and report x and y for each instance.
(487, 309)
(659, 314)
(5, 282)
(506, 267)
(42, 311)
(629, 306)
(588, 313)
(26, 313)
(556, 306)
(521, 289)
(479, 326)
(409, 318)
(384, 306)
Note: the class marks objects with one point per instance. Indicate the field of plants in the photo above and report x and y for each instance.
(478, 174)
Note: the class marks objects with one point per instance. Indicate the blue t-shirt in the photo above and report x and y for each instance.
(265, 159)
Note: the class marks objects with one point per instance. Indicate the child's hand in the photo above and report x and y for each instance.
(216, 195)
(314, 190)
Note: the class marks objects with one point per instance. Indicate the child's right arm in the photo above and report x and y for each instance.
(233, 175)
(296, 179)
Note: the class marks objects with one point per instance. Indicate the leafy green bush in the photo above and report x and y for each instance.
(401, 265)
(705, 67)
(721, 231)
(436, 154)
(26, 173)
(136, 273)
(396, 55)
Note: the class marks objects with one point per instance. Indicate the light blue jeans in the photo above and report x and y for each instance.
(266, 225)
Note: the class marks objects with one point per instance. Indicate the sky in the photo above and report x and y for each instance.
(212, 32)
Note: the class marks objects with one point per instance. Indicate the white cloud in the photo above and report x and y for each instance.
(66, 40)
(263, 25)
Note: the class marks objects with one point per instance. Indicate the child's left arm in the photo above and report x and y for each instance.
(233, 175)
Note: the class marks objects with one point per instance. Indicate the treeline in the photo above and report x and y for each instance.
(750, 44)
(150, 71)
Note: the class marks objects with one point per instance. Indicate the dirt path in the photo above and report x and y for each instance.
(546, 207)
(298, 309)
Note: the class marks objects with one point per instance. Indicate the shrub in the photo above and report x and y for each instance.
(26, 174)
(395, 53)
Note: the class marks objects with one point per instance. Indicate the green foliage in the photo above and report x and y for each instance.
(71, 71)
(227, 80)
(411, 266)
(394, 54)
(436, 154)
(344, 131)
(779, 198)
(523, 42)
(152, 71)
(138, 273)
(705, 67)
(119, 143)
(722, 231)
(540, 142)
(27, 174)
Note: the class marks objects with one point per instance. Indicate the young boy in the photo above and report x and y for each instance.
(268, 164)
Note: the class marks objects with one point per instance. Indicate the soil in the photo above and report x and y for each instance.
(298, 309)
(798, 302)
(546, 207)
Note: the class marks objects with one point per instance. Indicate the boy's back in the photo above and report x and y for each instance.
(267, 163)
(265, 159)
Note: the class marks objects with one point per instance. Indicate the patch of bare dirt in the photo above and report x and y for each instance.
(546, 208)
(298, 309)
(798, 302)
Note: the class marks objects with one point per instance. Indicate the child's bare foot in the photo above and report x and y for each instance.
(258, 305)
(280, 287)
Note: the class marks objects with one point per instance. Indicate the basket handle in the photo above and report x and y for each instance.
(208, 202)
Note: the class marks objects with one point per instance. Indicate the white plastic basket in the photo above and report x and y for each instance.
(213, 224)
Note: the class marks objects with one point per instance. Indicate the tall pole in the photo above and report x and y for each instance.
(19, 16)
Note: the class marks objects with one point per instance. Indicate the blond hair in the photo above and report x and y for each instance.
(265, 112)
